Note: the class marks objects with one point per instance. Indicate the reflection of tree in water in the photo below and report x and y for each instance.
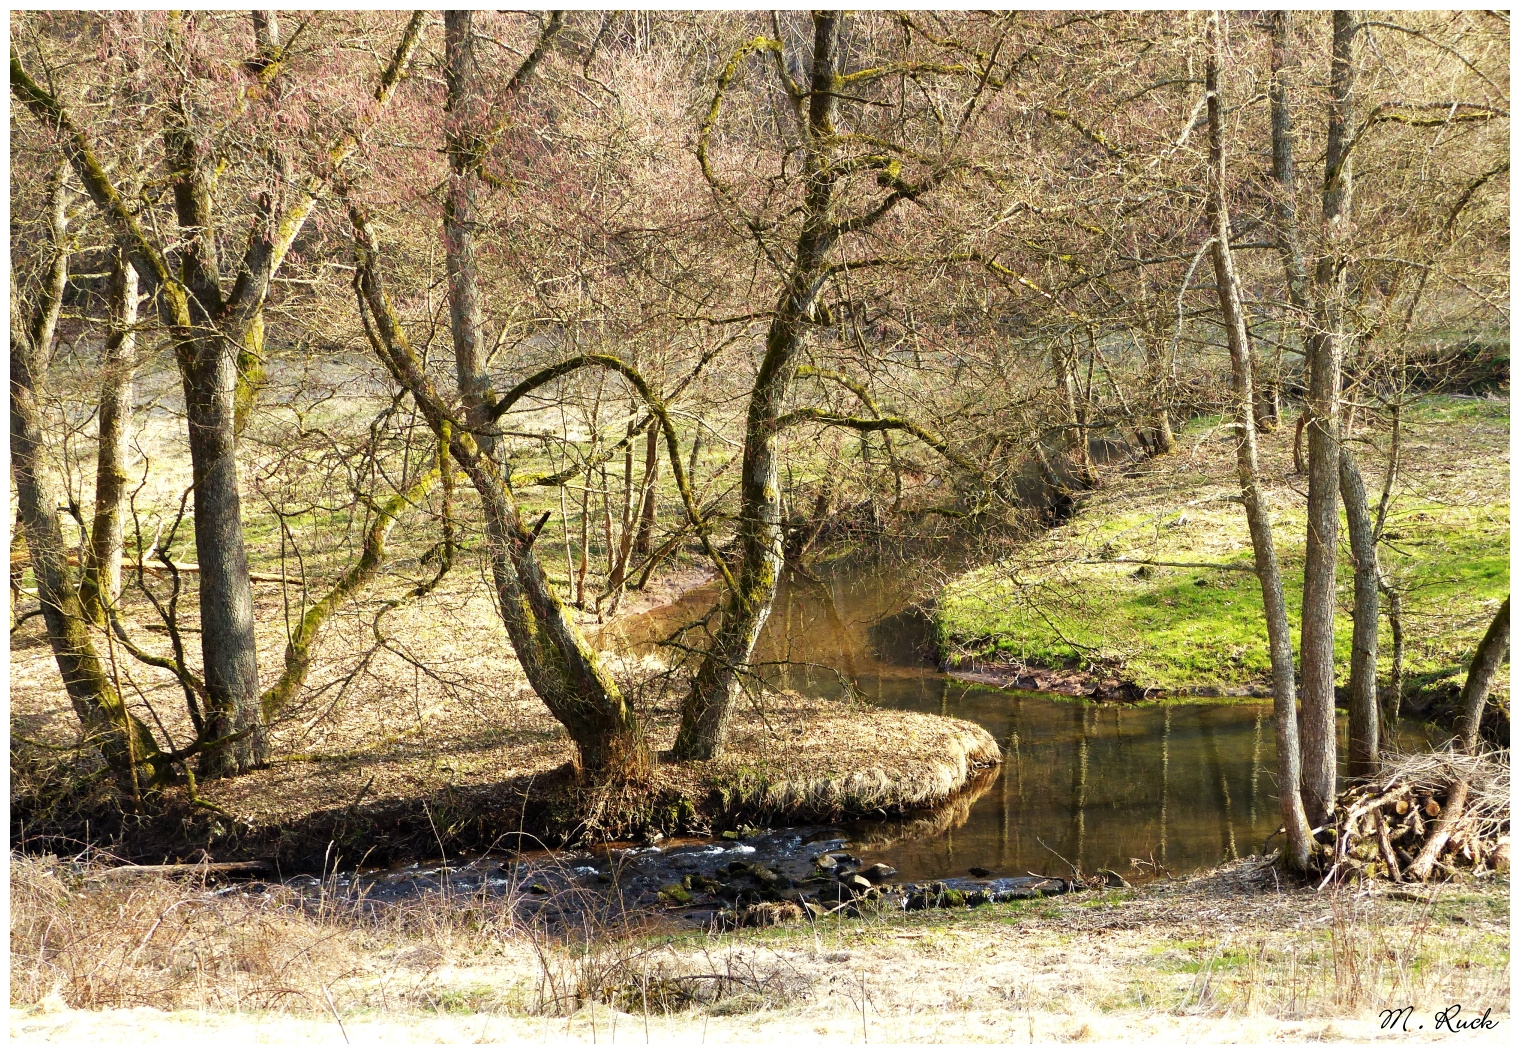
(1083, 714)
(1226, 809)
(1166, 770)
(1255, 765)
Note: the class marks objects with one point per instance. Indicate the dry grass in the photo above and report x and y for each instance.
(1228, 955)
(812, 757)
(1486, 776)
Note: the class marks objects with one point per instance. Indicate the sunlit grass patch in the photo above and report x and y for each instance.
(1105, 591)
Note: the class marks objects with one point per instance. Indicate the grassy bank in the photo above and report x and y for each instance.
(1227, 955)
(1081, 597)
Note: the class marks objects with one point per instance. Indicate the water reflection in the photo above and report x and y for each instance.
(1179, 784)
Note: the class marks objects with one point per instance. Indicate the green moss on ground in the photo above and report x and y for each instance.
(1071, 600)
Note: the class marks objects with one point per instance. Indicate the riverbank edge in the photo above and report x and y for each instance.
(1024, 677)
(1431, 698)
(547, 808)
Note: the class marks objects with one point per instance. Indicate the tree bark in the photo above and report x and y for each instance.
(715, 688)
(1061, 361)
(1258, 515)
(102, 578)
(1324, 347)
(127, 745)
(1363, 732)
(466, 320)
(643, 545)
(1395, 699)
(1480, 678)
(1317, 300)
(559, 663)
(228, 654)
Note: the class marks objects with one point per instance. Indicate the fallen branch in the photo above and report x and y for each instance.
(1172, 563)
(1455, 799)
(253, 576)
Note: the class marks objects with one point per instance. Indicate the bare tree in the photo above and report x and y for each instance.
(1258, 515)
(832, 161)
(214, 328)
(128, 746)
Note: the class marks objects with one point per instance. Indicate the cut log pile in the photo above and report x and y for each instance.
(1425, 818)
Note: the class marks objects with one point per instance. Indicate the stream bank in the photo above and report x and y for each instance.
(1149, 588)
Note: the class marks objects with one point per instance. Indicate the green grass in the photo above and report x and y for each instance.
(1063, 603)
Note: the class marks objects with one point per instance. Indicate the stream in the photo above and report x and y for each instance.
(1143, 791)
(1179, 785)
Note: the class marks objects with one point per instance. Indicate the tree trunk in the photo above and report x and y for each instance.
(226, 594)
(562, 667)
(1289, 245)
(1480, 678)
(1061, 362)
(1268, 408)
(466, 321)
(1162, 438)
(559, 663)
(1363, 747)
(705, 712)
(102, 578)
(715, 688)
(1319, 309)
(1394, 701)
(1258, 515)
(127, 745)
(643, 545)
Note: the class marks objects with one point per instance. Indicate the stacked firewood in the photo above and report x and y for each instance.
(1426, 817)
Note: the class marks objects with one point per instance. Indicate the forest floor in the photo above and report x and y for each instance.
(1081, 607)
(1232, 954)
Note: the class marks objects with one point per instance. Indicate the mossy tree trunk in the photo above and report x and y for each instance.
(559, 663)
(102, 577)
(823, 218)
(644, 544)
(128, 746)
(1162, 439)
(1480, 678)
(214, 332)
(715, 688)
(1258, 515)
(314, 619)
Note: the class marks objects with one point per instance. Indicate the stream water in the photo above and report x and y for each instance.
(1179, 784)
(1142, 790)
